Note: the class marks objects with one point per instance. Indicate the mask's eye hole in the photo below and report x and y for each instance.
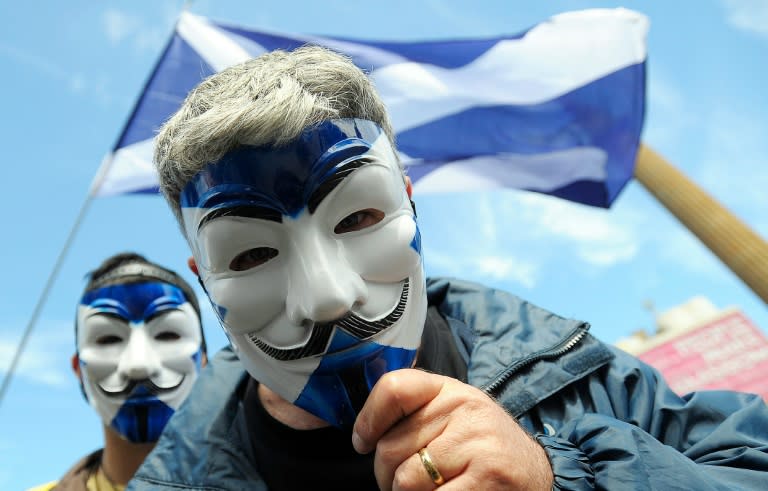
(167, 336)
(108, 339)
(252, 258)
(359, 220)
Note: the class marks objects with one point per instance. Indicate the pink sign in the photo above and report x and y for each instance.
(727, 353)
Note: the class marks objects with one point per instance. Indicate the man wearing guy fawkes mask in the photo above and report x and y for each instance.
(349, 369)
(140, 347)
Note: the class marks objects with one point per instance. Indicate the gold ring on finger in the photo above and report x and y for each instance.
(430, 467)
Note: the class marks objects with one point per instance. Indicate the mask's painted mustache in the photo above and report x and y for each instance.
(321, 333)
(146, 383)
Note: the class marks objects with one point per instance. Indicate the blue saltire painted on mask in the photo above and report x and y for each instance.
(135, 302)
(339, 386)
(280, 178)
(142, 417)
(416, 242)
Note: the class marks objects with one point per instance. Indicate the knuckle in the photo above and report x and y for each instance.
(393, 393)
(387, 454)
(404, 481)
(390, 382)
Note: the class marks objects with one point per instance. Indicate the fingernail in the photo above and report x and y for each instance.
(358, 443)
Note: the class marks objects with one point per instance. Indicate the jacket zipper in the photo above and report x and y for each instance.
(555, 351)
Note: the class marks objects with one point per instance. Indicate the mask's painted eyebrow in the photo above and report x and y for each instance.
(160, 312)
(109, 314)
(324, 189)
(247, 211)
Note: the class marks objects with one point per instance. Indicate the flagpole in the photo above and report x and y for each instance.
(44, 296)
(740, 248)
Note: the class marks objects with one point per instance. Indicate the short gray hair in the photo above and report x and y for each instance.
(268, 100)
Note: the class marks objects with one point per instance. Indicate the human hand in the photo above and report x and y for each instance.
(470, 438)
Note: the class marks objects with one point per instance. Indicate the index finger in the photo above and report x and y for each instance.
(395, 396)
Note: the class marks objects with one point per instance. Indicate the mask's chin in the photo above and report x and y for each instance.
(335, 384)
(337, 390)
(141, 419)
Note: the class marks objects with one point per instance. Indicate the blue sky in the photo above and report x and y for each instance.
(72, 70)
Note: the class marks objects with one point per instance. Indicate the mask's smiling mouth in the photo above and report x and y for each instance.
(352, 324)
(147, 384)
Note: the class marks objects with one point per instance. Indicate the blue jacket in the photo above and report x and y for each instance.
(605, 419)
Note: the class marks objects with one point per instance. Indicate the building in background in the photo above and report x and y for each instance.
(696, 346)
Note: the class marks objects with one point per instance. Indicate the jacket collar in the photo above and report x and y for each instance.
(509, 339)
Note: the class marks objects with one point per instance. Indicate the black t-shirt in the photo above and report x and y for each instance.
(324, 458)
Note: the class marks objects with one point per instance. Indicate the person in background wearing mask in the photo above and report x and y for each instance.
(140, 347)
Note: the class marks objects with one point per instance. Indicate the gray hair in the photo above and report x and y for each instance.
(268, 100)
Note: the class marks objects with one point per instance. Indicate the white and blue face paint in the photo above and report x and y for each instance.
(140, 351)
(311, 256)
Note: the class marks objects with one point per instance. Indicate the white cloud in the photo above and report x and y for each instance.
(439, 262)
(748, 15)
(609, 256)
(662, 94)
(461, 20)
(39, 64)
(678, 246)
(599, 237)
(507, 268)
(728, 161)
(667, 116)
(77, 83)
(520, 237)
(482, 265)
(120, 26)
(5, 477)
(736, 164)
(45, 359)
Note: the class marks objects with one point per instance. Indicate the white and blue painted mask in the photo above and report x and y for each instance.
(139, 346)
(311, 256)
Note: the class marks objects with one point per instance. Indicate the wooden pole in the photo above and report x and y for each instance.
(740, 248)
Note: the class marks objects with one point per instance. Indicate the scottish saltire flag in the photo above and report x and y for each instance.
(557, 109)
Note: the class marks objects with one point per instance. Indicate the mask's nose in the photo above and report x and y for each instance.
(139, 360)
(322, 285)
